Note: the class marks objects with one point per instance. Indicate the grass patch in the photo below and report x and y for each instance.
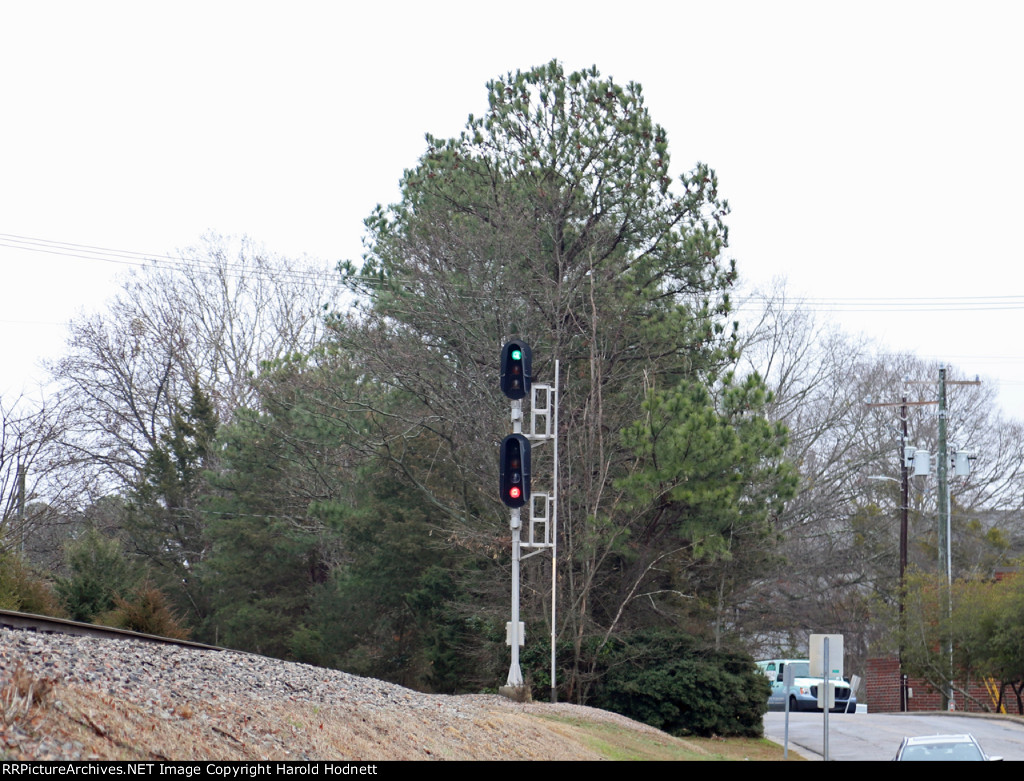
(22, 691)
(623, 744)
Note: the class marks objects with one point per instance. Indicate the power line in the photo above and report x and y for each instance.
(888, 305)
(841, 304)
(208, 266)
(68, 249)
(218, 267)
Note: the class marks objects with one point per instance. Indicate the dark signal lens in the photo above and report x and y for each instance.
(516, 369)
(514, 468)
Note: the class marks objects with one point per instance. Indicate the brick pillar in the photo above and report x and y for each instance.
(882, 685)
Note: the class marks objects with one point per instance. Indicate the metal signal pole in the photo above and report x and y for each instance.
(515, 472)
(515, 634)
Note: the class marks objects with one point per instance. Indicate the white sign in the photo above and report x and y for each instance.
(835, 656)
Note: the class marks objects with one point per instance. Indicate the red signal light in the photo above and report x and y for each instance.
(514, 469)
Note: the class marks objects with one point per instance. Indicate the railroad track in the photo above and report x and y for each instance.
(11, 619)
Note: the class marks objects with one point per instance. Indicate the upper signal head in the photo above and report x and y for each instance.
(516, 368)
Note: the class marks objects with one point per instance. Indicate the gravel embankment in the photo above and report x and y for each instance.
(122, 699)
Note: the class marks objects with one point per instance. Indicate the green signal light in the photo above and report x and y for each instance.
(516, 374)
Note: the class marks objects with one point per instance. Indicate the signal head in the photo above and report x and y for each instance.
(516, 369)
(514, 470)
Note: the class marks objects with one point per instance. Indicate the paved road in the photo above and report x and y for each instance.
(876, 736)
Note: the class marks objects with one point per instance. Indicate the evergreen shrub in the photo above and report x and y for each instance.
(669, 680)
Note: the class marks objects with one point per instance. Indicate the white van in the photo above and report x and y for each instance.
(804, 693)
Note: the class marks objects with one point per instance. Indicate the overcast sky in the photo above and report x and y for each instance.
(871, 152)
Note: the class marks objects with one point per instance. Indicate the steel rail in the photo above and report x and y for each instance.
(11, 619)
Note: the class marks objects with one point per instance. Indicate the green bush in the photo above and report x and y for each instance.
(21, 590)
(100, 573)
(146, 611)
(666, 679)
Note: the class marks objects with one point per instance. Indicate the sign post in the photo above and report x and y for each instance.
(827, 664)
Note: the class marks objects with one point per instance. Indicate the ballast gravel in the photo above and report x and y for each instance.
(230, 705)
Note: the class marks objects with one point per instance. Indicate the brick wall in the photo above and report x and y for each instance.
(882, 687)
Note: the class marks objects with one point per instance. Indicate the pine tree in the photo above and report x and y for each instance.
(553, 218)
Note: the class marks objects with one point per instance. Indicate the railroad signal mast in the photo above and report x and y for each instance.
(514, 478)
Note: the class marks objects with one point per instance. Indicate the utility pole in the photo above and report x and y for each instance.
(945, 521)
(904, 523)
(21, 504)
(945, 526)
(942, 475)
(945, 557)
(945, 552)
(904, 528)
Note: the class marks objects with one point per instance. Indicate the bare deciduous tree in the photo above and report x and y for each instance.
(38, 496)
(841, 532)
(211, 316)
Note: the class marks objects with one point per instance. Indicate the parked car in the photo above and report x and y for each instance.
(939, 748)
(804, 693)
